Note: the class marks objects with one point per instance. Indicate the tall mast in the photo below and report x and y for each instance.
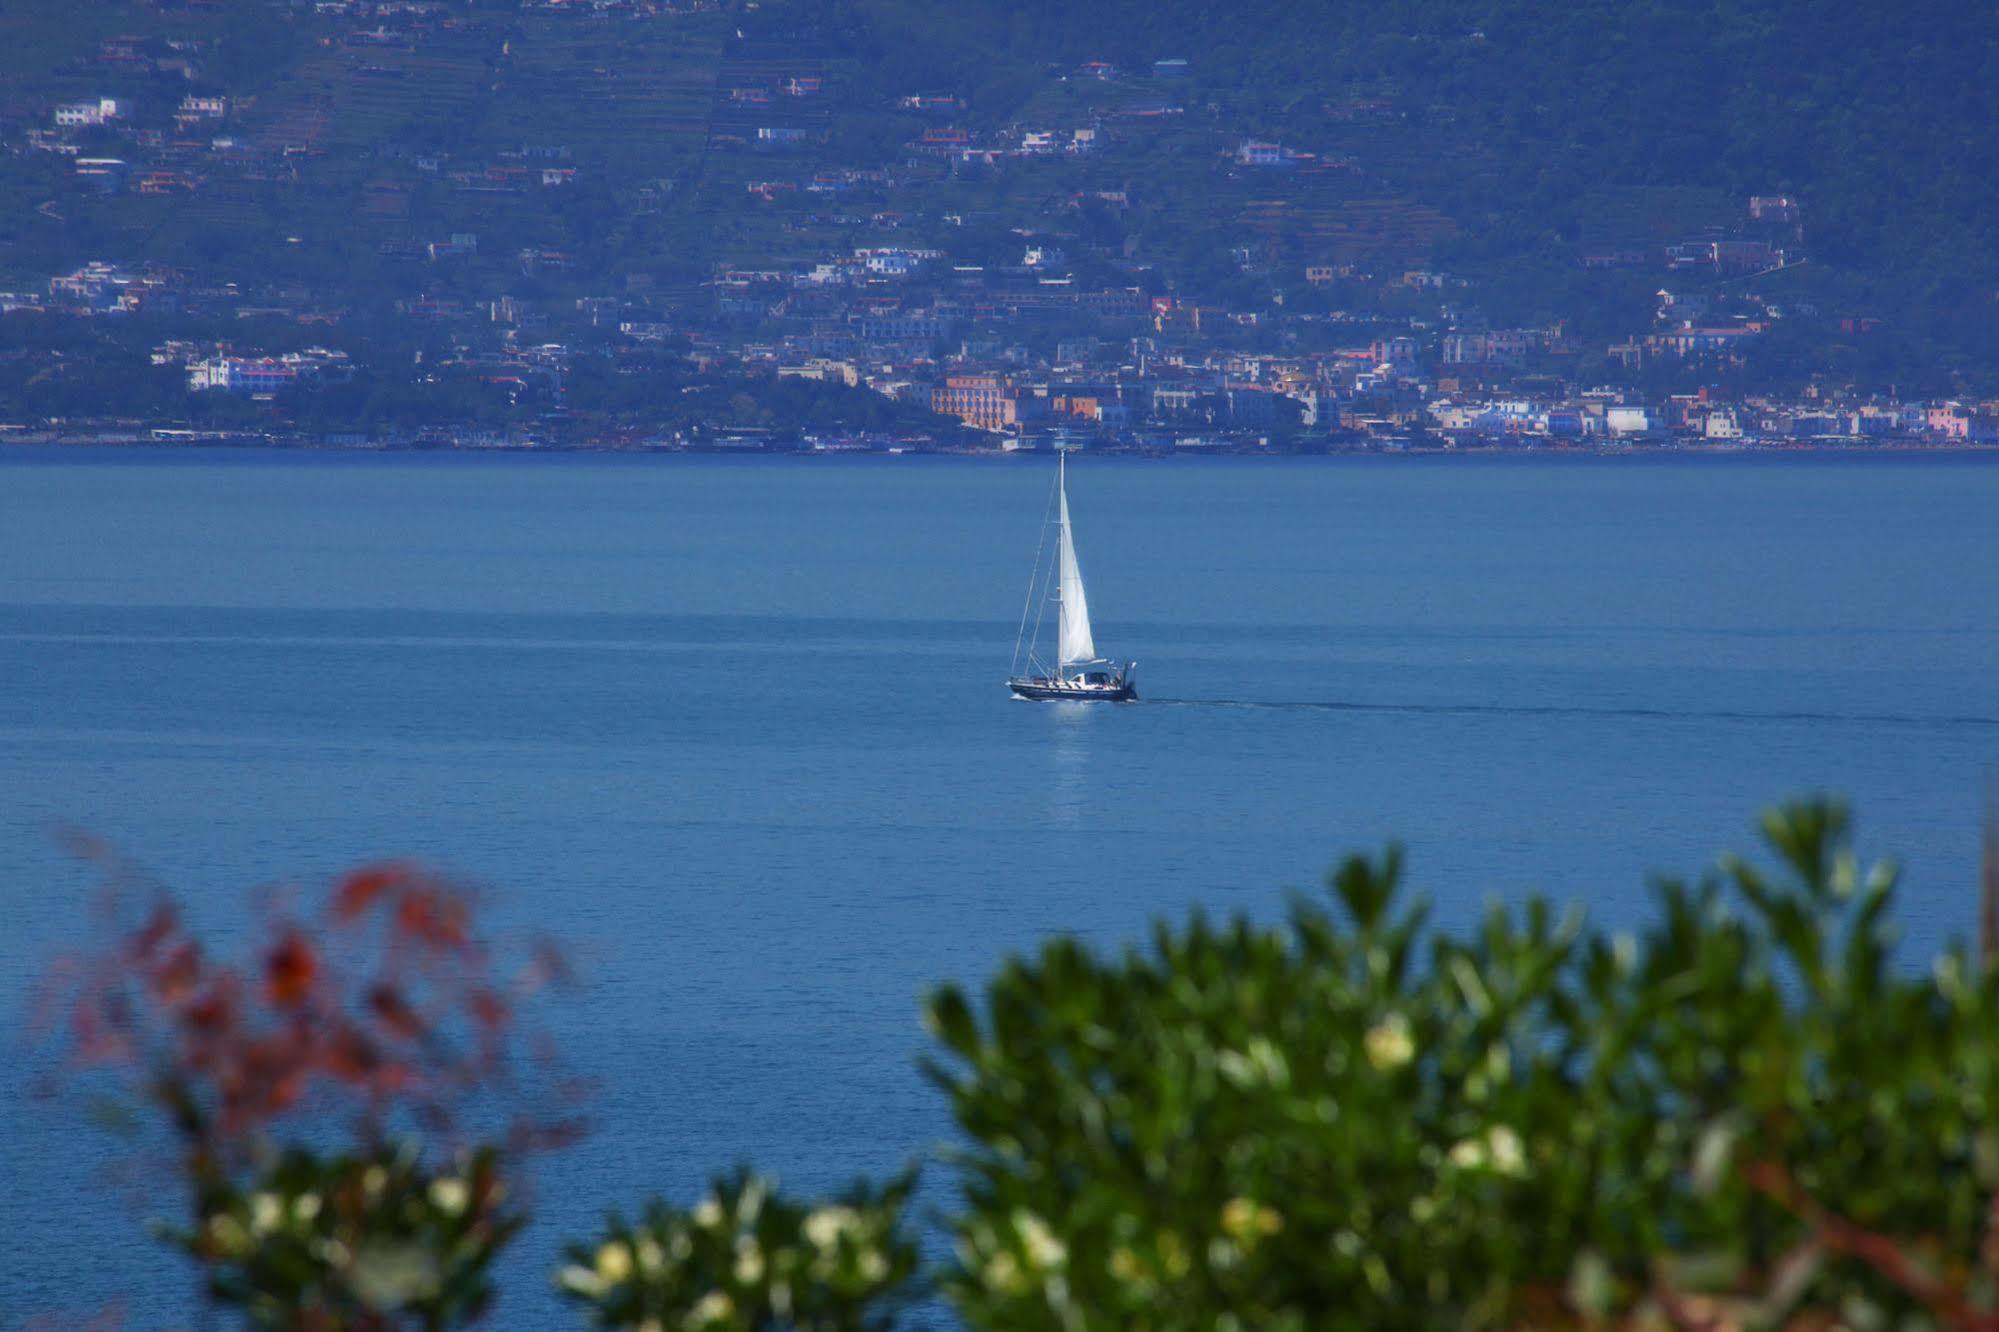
(1027, 609)
(1061, 541)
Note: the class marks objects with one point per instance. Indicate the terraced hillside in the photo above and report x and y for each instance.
(390, 161)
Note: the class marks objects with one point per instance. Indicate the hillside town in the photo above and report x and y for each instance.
(1318, 323)
(1127, 371)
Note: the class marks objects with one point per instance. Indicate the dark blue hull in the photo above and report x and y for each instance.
(1046, 691)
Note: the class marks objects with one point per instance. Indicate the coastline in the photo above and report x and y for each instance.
(53, 447)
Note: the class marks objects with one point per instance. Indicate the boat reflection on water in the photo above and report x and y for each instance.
(1074, 783)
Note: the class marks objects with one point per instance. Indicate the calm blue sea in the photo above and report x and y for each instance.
(735, 730)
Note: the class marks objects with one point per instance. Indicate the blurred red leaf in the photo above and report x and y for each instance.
(289, 970)
(402, 1026)
(154, 932)
(357, 890)
(176, 977)
(547, 966)
(432, 917)
(284, 1093)
(351, 1057)
(394, 1012)
(97, 1040)
(214, 1011)
(487, 1009)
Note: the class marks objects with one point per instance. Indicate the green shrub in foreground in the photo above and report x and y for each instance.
(1741, 1115)
(354, 1242)
(745, 1257)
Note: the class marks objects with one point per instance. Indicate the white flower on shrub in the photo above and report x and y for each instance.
(1262, 1064)
(749, 1261)
(1389, 1044)
(267, 1213)
(1499, 1150)
(1002, 1273)
(1038, 1242)
(711, 1310)
(614, 1262)
(1247, 1221)
(1505, 1150)
(825, 1226)
(450, 1195)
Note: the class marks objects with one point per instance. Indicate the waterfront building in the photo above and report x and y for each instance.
(990, 402)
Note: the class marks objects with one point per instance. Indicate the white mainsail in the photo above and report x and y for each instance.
(1076, 641)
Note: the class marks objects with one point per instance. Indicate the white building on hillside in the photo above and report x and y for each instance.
(100, 112)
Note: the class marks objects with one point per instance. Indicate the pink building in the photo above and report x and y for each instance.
(1951, 421)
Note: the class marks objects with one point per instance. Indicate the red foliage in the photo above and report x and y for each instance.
(289, 971)
(488, 1009)
(1892, 1258)
(386, 1005)
(175, 977)
(393, 1012)
(358, 889)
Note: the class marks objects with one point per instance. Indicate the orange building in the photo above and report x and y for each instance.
(989, 402)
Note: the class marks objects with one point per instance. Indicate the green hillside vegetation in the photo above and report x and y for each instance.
(1498, 142)
(1542, 130)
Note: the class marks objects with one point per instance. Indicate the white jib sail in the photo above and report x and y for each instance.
(1077, 644)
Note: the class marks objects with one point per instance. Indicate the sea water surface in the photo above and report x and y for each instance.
(735, 731)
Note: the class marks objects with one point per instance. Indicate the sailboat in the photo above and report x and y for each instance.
(1077, 673)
